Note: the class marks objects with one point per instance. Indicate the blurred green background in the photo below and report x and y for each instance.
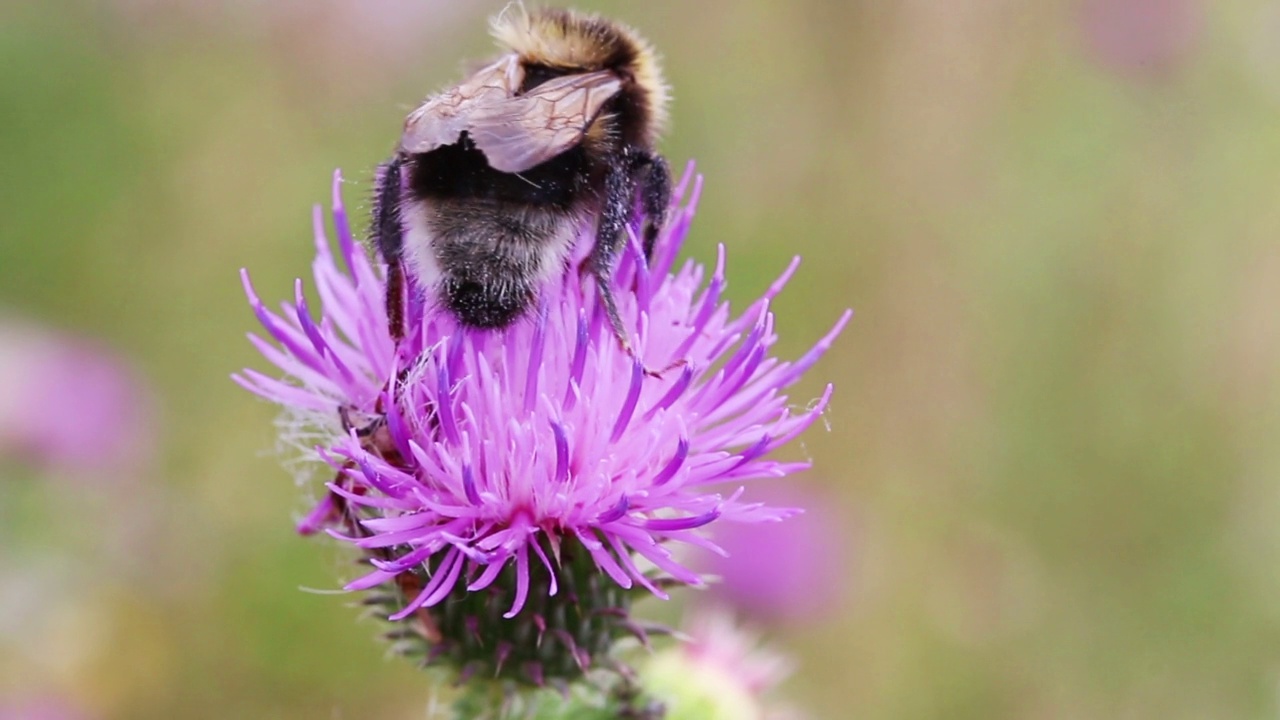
(1055, 430)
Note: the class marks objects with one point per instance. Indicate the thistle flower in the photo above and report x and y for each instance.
(722, 672)
(789, 572)
(1142, 39)
(37, 708)
(42, 373)
(540, 472)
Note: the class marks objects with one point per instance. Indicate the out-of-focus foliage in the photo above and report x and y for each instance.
(1057, 407)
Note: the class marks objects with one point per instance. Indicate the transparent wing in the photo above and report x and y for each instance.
(517, 133)
(442, 117)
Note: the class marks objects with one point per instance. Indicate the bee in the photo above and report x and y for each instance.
(494, 178)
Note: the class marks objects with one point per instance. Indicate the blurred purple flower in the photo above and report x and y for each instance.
(1141, 38)
(48, 708)
(69, 405)
(486, 451)
(721, 672)
(793, 570)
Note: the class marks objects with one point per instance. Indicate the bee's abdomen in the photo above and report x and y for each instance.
(486, 304)
(488, 275)
(492, 258)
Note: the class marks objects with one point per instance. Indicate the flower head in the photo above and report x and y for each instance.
(722, 672)
(1142, 39)
(788, 572)
(542, 458)
(42, 373)
(39, 708)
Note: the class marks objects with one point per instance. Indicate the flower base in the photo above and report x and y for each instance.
(566, 627)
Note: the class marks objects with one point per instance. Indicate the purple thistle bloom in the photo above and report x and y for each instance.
(110, 434)
(787, 572)
(37, 708)
(463, 454)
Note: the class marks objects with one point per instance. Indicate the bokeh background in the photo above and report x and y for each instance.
(1049, 481)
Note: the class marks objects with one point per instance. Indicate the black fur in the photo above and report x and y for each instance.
(388, 234)
(460, 171)
(483, 305)
(654, 179)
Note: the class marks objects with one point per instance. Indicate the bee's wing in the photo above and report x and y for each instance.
(517, 133)
(442, 118)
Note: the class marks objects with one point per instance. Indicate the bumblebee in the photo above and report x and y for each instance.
(494, 179)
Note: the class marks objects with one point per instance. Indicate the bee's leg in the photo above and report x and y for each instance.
(653, 180)
(653, 176)
(395, 300)
(388, 235)
(619, 189)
